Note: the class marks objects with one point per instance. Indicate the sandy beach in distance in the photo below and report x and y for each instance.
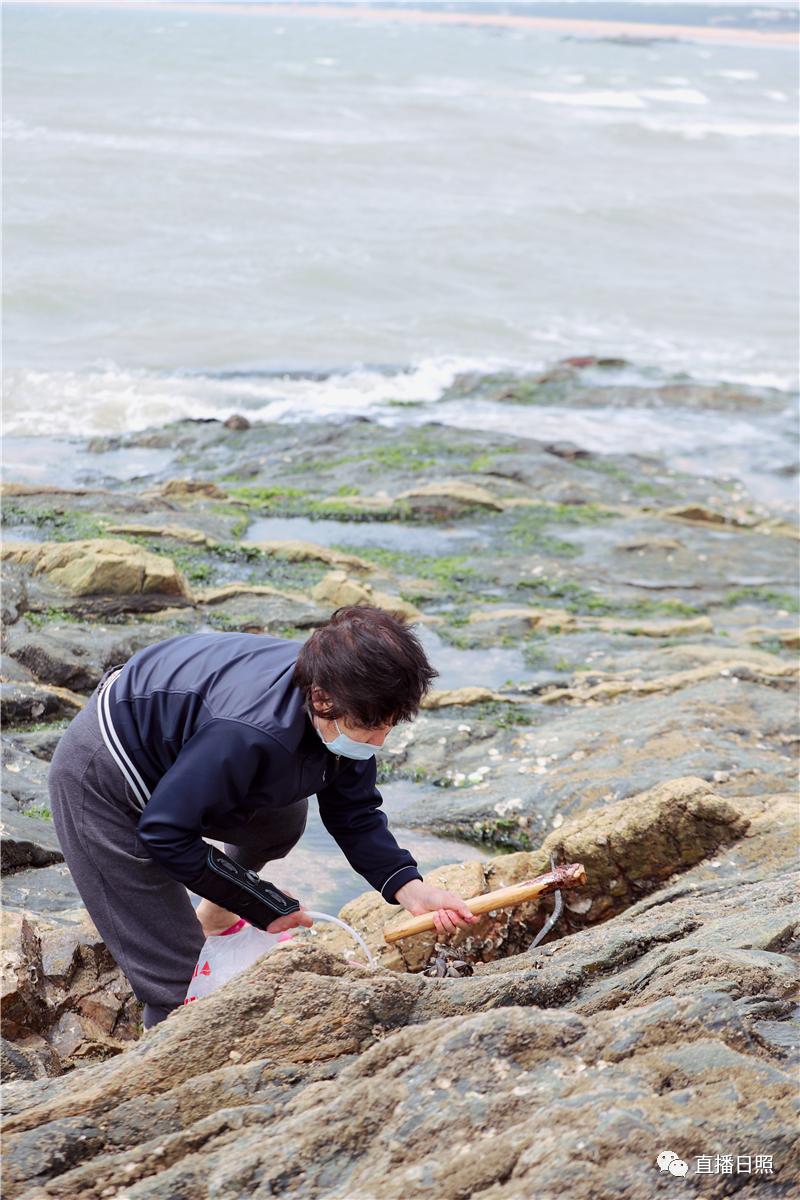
(573, 25)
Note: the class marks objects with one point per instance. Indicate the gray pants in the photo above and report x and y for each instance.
(145, 917)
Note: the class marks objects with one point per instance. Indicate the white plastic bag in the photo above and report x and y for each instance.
(226, 954)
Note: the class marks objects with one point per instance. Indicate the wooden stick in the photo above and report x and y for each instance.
(568, 876)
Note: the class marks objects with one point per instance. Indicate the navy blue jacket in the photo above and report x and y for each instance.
(210, 726)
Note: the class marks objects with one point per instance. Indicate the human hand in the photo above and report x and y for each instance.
(281, 924)
(214, 919)
(449, 911)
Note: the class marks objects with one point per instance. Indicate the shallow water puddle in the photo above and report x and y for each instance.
(317, 872)
(491, 666)
(387, 535)
(753, 448)
(66, 462)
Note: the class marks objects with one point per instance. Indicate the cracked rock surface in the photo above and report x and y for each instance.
(617, 646)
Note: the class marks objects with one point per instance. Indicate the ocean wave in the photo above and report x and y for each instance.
(636, 98)
(676, 95)
(107, 398)
(689, 128)
(741, 75)
(698, 130)
(111, 399)
(201, 145)
(599, 99)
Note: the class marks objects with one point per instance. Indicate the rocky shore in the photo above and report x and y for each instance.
(617, 646)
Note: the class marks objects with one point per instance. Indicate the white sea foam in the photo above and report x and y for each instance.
(740, 75)
(599, 99)
(675, 95)
(610, 430)
(615, 99)
(109, 399)
(202, 147)
(698, 130)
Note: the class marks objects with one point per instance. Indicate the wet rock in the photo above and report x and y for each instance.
(23, 1004)
(298, 551)
(706, 516)
(519, 620)
(179, 533)
(788, 638)
(218, 595)
(738, 518)
(301, 1027)
(237, 421)
(75, 656)
(663, 995)
(379, 506)
(26, 842)
(565, 449)
(250, 606)
(730, 667)
(22, 1061)
(628, 850)
(662, 660)
(145, 604)
(449, 498)
(462, 697)
(13, 594)
(370, 915)
(505, 1057)
(23, 703)
(41, 743)
(44, 891)
(24, 772)
(254, 612)
(575, 382)
(58, 656)
(192, 489)
(336, 589)
(60, 984)
(692, 936)
(12, 488)
(657, 545)
(513, 781)
(12, 671)
(100, 565)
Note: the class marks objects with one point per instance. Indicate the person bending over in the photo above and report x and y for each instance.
(225, 736)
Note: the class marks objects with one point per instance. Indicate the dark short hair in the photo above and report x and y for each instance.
(369, 662)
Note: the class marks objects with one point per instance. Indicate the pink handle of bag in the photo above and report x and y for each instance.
(237, 925)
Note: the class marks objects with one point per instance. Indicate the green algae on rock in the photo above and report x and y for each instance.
(616, 643)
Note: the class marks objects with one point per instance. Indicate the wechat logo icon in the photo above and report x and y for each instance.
(667, 1161)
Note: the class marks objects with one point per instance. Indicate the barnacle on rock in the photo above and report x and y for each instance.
(445, 962)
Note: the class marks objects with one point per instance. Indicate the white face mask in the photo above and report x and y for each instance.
(347, 746)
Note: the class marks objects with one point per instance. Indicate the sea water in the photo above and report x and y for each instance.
(198, 202)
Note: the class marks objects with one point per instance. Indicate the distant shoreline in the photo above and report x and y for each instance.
(577, 25)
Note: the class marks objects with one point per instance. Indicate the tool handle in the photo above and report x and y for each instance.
(567, 876)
